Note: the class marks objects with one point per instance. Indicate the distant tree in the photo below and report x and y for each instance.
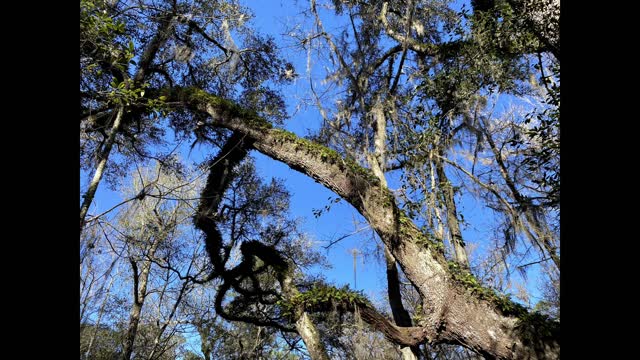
(105, 343)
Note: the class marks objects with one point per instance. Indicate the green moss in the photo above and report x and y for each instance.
(322, 298)
(502, 302)
(418, 315)
(530, 326)
(535, 326)
(284, 135)
(365, 173)
(309, 146)
(197, 96)
(421, 238)
(430, 242)
(326, 154)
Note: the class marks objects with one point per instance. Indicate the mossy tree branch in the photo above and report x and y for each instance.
(455, 311)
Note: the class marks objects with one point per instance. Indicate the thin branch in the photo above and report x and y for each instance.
(533, 263)
(357, 231)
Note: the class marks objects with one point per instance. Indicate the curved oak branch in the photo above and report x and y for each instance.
(457, 309)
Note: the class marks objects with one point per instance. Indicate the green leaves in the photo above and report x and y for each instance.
(318, 212)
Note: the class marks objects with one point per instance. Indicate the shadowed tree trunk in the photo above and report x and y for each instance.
(401, 316)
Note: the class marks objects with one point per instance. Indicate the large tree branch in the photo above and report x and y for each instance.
(162, 35)
(457, 308)
(406, 40)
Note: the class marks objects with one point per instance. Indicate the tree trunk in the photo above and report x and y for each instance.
(378, 166)
(139, 295)
(132, 329)
(311, 337)
(102, 163)
(304, 325)
(454, 313)
(446, 187)
(400, 315)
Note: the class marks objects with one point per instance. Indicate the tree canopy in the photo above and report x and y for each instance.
(419, 108)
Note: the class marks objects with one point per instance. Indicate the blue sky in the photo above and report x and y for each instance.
(273, 17)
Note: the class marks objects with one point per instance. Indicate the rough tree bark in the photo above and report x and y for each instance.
(454, 313)
(378, 162)
(304, 325)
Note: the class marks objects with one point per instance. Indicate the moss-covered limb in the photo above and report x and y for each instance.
(197, 99)
(503, 303)
(446, 301)
(530, 325)
(420, 237)
(324, 298)
(321, 297)
(200, 100)
(325, 154)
